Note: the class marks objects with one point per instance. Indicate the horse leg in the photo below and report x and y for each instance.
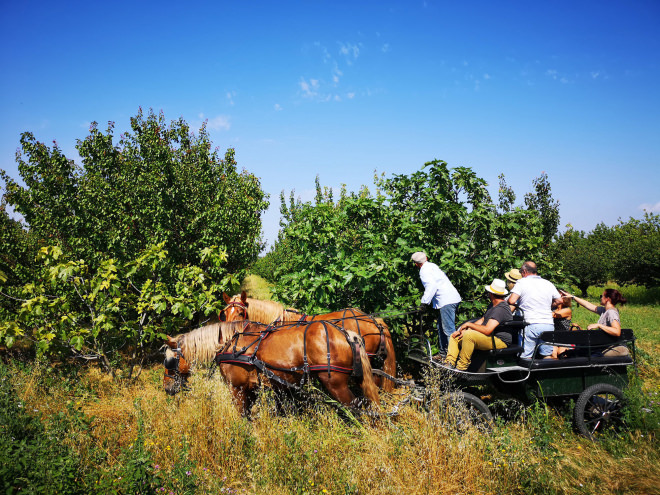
(337, 385)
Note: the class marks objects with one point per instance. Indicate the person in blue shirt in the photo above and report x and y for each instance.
(440, 294)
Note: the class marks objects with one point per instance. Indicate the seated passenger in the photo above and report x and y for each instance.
(609, 321)
(562, 314)
(479, 334)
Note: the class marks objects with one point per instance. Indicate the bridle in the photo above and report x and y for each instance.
(239, 304)
(172, 366)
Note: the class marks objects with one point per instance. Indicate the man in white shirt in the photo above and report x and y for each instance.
(441, 294)
(534, 295)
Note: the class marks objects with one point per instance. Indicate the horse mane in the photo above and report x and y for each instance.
(199, 345)
(262, 311)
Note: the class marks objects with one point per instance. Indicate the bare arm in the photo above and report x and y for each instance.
(582, 302)
(478, 326)
(614, 330)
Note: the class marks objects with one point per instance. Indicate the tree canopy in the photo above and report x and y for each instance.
(139, 240)
(356, 251)
(158, 183)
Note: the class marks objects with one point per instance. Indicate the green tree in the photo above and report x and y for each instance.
(635, 251)
(583, 256)
(158, 184)
(356, 251)
(111, 313)
(541, 201)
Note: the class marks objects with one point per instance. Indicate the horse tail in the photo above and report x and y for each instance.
(368, 385)
(389, 364)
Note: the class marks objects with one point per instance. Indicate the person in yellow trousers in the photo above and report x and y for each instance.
(481, 334)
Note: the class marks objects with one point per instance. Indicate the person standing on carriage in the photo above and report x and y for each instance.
(440, 294)
(535, 295)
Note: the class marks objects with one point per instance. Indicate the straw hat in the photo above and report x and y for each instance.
(498, 287)
(513, 275)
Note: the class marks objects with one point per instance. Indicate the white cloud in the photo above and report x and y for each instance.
(350, 96)
(219, 123)
(385, 48)
(310, 89)
(277, 107)
(486, 76)
(650, 208)
(595, 74)
(230, 97)
(552, 73)
(352, 52)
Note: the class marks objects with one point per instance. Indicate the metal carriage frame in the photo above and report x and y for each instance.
(595, 382)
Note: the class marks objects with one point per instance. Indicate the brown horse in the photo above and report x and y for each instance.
(374, 331)
(290, 355)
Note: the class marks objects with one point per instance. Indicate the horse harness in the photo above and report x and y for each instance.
(381, 352)
(172, 364)
(230, 353)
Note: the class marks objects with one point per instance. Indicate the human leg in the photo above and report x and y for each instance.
(446, 323)
(453, 350)
(532, 337)
(475, 340)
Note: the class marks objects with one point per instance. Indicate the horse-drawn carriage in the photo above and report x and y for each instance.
(595, 382)
(293, 348)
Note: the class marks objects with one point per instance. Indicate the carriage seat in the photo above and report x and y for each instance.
(586, 345)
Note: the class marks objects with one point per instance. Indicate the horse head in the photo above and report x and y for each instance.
(177, 368)
(237, 308)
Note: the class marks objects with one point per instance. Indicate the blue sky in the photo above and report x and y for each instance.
(340, 89)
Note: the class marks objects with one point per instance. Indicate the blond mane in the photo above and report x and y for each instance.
(199, 345)
(263, 311)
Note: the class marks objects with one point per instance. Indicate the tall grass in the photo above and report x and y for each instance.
(99, 436)
(140, 439)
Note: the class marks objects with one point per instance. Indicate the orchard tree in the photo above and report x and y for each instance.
(636, 251)
(356, 251)
(583, 256)
(541, 201)
(112, 313)
(158, 183)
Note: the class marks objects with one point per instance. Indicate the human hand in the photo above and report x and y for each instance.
(593, 326)
(566, 294)
(425, 308)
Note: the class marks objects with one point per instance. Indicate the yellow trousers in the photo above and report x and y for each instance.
(460, 350)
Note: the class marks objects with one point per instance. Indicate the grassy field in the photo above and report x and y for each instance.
(83, 433)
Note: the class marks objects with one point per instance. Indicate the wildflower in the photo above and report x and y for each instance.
(315, 451)
(490, 463)
(156, 466)
(188, 473)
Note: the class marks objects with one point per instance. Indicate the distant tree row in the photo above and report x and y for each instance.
(626, 253)
(140, 238)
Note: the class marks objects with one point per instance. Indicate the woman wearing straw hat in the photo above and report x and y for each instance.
(479, 334)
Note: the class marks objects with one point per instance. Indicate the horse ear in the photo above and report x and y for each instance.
(244, 297)
(171, 343)
(226, 298)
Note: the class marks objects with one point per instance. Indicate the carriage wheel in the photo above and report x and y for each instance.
(480, 412)
(599, 409)
(463, 410)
